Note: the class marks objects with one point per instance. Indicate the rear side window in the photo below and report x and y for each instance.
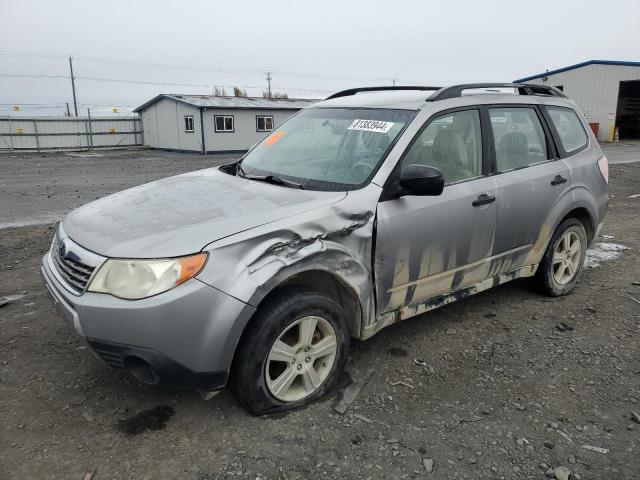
(519, 138)
(569, 127)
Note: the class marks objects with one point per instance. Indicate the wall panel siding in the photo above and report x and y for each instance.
(42, 133)
(188, 141)
(595, 89)
(166, 124)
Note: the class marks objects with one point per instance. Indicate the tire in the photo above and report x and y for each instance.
(259, 369)
(548, 279)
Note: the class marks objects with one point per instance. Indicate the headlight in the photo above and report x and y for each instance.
(135, 279)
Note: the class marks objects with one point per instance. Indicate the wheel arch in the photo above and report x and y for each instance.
(322, 281)
(583, 214)
(315, 279)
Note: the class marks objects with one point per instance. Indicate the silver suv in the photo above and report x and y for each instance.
(373, 206)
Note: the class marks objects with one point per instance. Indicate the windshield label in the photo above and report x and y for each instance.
(371, 126)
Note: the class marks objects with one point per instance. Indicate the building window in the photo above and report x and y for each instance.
(264, 123)
(224, 123)
(188, 123)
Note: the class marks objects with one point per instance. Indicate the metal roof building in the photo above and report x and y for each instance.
(212, 124)
(607, 91)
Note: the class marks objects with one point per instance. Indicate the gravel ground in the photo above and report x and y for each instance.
(506, 384)
(38, 188)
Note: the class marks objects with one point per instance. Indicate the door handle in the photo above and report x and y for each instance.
(483, 199)
(558, 179)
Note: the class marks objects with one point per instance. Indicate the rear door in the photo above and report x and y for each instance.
(429, 246)
(531, 181)
(572, 141)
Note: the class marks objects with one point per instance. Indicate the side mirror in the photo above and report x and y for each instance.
(421, 180)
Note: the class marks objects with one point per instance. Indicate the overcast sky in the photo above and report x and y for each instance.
(311, 48)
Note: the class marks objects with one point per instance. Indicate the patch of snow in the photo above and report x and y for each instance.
(602, 252)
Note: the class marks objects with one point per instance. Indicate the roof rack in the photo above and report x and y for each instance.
(523, 89)
(353, 91)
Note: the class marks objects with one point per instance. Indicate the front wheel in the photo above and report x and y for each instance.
(562, 262)
(292, 352)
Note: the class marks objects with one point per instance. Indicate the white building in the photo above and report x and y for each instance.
(210, 124)
(607, 91)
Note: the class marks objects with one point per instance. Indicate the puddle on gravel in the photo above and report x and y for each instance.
(603, 252)
(397, 352)
(155, 418)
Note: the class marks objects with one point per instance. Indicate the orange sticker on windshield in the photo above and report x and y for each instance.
(274, 137)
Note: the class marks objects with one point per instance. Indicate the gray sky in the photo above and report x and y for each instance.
(312, 48)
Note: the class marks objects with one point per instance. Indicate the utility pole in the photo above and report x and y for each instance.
(269, 84)
(73, 87)
(394, 82)
(68, 112)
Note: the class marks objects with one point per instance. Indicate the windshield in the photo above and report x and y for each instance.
(327, 148)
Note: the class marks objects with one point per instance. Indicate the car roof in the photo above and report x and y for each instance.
(420, 99)
(398, 99)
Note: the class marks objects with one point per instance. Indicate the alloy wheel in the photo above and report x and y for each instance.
(301, 359)
(566, 257)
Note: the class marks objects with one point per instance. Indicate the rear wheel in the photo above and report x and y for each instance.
(292, 352)
(562, 262)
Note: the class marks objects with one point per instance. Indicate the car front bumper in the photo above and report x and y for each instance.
(183, 338)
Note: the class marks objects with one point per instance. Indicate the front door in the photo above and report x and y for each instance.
(430, 246)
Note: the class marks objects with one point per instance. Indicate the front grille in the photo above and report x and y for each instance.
(75, 273)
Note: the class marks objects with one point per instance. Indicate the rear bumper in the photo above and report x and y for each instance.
(183, 338)
(603, 208)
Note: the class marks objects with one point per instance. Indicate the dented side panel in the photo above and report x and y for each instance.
(336, 239)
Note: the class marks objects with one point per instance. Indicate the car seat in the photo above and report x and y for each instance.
(450, 155)
(514, 151)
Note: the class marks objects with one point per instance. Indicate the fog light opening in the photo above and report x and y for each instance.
(141, 370)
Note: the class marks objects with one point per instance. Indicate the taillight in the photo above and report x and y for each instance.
(603, 165)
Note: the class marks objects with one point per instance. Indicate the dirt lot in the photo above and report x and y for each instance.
(505, 384)
(38, 188)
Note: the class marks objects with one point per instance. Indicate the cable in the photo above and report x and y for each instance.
(138, 63)
(28, 75)
(149, 82)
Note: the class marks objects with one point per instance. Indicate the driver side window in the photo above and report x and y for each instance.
(451, 143)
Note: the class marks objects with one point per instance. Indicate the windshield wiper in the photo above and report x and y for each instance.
(280, 181)
(268, 178)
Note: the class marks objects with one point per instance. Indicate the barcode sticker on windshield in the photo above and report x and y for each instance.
(371, 126)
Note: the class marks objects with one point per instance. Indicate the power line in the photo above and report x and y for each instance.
(144, 64)
(150, 82)
(30, 75)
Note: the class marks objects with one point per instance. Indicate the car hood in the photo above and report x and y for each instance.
(180, 215)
